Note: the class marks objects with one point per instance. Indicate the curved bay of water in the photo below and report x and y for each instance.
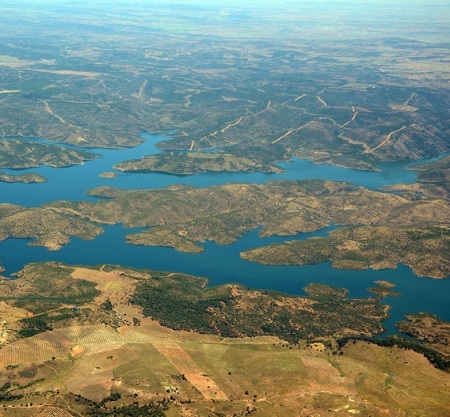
(220, 264)
(71, 183)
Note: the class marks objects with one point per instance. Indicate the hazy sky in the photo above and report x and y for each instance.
(237, 3)
(248, 2)
(277, 2)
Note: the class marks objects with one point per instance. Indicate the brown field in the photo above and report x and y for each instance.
(112, 284)
(53, 412)
(233, 374)
(323, 376)
(186, 366)
(207, 374)
(11, 314)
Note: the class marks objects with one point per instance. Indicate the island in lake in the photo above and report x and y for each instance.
(25, 178)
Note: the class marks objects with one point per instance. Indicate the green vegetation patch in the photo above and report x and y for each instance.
(150, 410)
(46, 321)
(433, 332)
(184, 302)
(325, 291)
(437, 172)
(423, 248)
(384, 289)
(22, 154)
(6, 393)
(195, 163)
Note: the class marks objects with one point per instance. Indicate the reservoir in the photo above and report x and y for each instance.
(220, 264)
(71, 183)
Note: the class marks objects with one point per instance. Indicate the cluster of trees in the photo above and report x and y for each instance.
(177, 310)
(39, 324)
(5, 394)
(132, 410)
(104, 409)
(181, 304)
(34, 325)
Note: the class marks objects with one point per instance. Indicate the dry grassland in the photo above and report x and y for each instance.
(222, 374)
(187, 367)
(11, 314)
(211, 375)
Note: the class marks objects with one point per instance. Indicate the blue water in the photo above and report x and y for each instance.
(71, 183)
(220, 264)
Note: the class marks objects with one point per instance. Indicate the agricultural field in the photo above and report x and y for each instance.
(111, 352)
(183, 302)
